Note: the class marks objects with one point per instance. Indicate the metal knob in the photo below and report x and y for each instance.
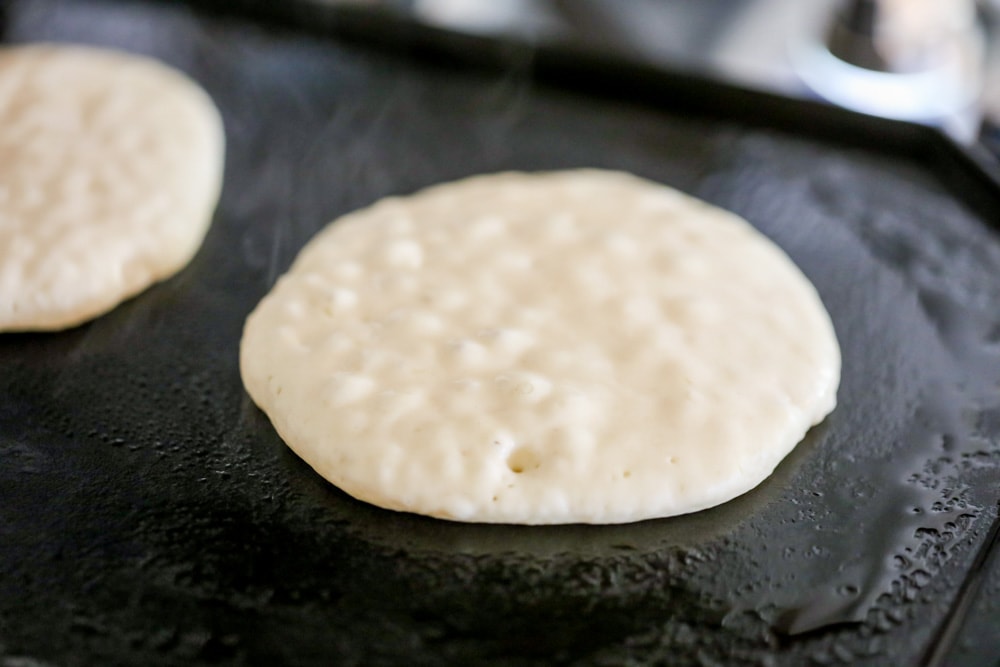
(918, 60)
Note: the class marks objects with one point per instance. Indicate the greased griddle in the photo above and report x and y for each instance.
(149, 515)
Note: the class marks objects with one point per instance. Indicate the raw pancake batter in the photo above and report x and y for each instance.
(580, 346)
(110, 168)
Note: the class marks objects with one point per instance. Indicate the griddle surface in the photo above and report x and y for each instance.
(150, 515)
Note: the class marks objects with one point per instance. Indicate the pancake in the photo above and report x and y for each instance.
(110, 168)
(566, 347)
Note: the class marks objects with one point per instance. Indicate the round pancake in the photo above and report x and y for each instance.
(581, 346)
(110, 168)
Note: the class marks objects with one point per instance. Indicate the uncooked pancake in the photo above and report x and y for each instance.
(110, 168)
(581, 346)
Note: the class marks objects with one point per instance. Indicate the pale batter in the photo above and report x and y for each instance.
(110, 168)
(579, 346)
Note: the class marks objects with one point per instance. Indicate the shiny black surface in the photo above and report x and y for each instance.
(150, 515)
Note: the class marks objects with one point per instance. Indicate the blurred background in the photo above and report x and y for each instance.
(930, 61)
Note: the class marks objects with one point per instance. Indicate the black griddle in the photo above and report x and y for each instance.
(149, 515)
